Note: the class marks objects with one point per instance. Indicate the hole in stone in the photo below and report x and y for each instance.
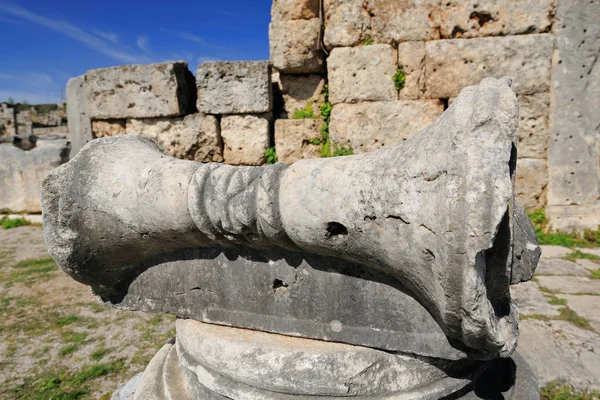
(336, 229)
(279, 284)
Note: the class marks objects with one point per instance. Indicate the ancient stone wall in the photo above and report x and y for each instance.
(352, 76)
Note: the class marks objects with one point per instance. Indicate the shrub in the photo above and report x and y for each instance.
(399, 78)
(271, 156)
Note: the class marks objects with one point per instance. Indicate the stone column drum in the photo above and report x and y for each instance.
(383, 275)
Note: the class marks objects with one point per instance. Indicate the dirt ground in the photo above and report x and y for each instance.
(57, 341)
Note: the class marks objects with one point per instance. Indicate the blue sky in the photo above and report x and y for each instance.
(43, 43)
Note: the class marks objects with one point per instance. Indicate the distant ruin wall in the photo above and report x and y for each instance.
(354, 75)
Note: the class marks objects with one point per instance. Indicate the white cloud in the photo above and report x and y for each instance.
(75, 33)
(7, 77)
(111, 37)
(142, 43)
(193, 38)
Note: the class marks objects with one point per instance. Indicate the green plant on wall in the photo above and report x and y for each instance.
(367, 41)
(304, 113)
(545, 234)
(271, 156)
(326, 149)
(399, 79)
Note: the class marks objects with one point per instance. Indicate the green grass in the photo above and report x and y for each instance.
(9, 223)
(28, 271)
(547, 236)
(71, 348)
(555, 301)
(67, 320)
(367, 41)
(566, 314)
(399, 79)
(98, 354)
(64, 386)
(343, 151)
(304, 113)
(73, 337)
(559, 391)
(578, 254)
(595, 274)
(271, 156)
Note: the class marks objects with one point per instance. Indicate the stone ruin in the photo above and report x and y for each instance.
(383, 275)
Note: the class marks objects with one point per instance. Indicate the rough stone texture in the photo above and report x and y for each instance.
(557, 266)
(590, 265)
(22, 172)
(594, 251)
(105, 128)
(369, 126)
(531, 300)
(555, 251)
(294, 9)
(472, 18)
(531, 182)
(293, 136)
(194, 137)
(245, 139)
(394, 21)
(411, 59)
(298, 90)
(234, 87)
(127, 390)
(140, 91)
(526, 251)
(533, 132)
(557, 350)
(454, 64)
(346, 22)
(295, 47)
(454, 178)
(80, 126)
(362, 74)
(574, 153)
(587, 306)
(570, 284)
(567, 218)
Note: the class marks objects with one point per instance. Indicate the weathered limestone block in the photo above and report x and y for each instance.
(140, 91)
(194, 137)
(400, 21)
(22, 172)
(369, 126)
(574, 149)
(455, 177)
(527, 251)
(454, 64)
(80, 126)
(234, 87)
(295, 47)
(245, 139)
(411, 59)
(294, 9)
(111, 127)
(298, 91)
(293, 139)
(575, 217)
(531, 182)
(472, 18)
(346, 22)
(533, 132)
(362, 74)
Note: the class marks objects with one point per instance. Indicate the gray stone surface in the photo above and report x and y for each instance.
(127, 390)
(362, 74)
(532, 301)
(555, 251)
(531, 183)
(110, 127)
(369, 126)
(22, 172)
(526, 251)
(573, 217)
(573, 153)
(293, 139)
(245, 139)
(140, 91)
(570, 284)
(346, 22)
(80, 126)
(234, 87)
(432, 184)
(393, 22)
(556, 266)
(193, 137)
(587, 306)
(295, 46)
(454, 64)
(411, 59)
(557, 350)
